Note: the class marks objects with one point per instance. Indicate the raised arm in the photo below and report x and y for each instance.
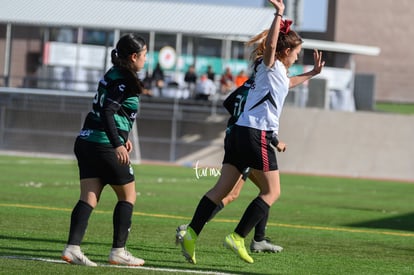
(317, 68)
(269, 55)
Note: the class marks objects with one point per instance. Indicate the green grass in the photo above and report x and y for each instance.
(398, 108)
(326, 225)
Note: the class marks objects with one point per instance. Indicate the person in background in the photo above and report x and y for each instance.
(210, 73)
(102, 150)
(226, 82)
(205, 88)
(158, 78)
(241, 78)
(147, 82)
(190, 78)
(252, 140)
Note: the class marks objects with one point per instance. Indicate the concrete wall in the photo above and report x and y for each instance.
(361, 144)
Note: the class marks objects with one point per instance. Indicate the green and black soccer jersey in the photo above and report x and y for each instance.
(114, 109)
(234, 103)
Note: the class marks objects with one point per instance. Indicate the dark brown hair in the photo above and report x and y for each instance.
(127, 45)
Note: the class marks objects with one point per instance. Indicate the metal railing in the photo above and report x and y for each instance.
(47, 121)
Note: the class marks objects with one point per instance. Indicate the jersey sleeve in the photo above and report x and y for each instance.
(111, 105)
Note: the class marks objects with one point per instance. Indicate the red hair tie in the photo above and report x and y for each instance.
(285, 26)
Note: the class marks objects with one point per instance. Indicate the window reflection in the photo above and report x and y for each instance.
(163, 40)
(98, 37)
(65, 35)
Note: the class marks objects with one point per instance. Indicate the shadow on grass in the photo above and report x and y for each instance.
(17, 252)
(37, 250)
(402, 222)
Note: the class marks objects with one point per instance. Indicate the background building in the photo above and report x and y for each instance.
(218, 36)
(68, 46)
(385, 24)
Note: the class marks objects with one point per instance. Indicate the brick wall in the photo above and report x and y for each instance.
(386, 24)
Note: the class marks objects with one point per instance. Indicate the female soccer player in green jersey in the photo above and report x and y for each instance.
(102, 151)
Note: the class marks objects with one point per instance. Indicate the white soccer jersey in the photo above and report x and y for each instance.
(266, 97)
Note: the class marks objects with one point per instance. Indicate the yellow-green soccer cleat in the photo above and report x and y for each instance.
(180, 232)
(187, 242)
(235, 242)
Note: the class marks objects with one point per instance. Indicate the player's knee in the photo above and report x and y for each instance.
(271, 196)
(232, 197)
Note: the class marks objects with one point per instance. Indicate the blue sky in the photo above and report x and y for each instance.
(314, 11)
(315, 14)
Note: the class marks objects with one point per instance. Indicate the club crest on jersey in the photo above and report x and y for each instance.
(85, 133)
(121, 87)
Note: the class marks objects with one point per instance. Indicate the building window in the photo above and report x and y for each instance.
(163, 40)
(238, 50)
(98, 37)
(208, 47)
(65, 35)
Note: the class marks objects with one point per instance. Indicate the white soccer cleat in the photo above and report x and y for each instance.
(73, 255)
(120, 256)
(264, 246)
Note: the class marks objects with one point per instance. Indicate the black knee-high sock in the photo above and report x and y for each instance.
(260, 229)
(203, 212)
(122, 223)
(216, 210)
(255, 212)
(79, 222)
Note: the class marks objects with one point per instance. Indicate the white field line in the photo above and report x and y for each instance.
(191, 271)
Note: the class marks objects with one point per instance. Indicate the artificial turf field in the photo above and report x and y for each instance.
(326, 225)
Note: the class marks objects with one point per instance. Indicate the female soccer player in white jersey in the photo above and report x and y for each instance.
(252, 140)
